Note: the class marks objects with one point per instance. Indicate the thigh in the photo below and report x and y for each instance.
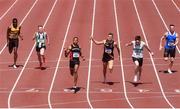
(110, 64)
(166, 53)
(172, 53)
(42, 50)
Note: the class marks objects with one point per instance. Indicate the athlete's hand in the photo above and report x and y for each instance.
(160, 48)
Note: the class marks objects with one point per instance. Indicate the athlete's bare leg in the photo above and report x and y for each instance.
(76, 67)
(110, 65)
(39, 59)
(104, 71)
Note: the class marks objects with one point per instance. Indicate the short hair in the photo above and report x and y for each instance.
(171, 25)
(138, 37)
(75, 37)
(110, 34)
(40, 26)
(14, 20)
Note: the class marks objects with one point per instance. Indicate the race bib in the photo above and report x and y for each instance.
(108, 51)
(171, 43)
(138, 52)
(76, 55)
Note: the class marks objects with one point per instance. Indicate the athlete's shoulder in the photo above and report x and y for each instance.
(142, 42)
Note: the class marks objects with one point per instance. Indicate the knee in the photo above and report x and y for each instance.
(136, 63)
(166, 58)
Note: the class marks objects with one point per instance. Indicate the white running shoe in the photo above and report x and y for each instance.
(135, 78)
(14, 66)
(169, 71)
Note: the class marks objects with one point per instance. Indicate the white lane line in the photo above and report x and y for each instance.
(21, 23)
(96, 100)
(90, 55)
(60, 55)
(121, 60)
(20, 74)
(156, 72)
(8, 10)
(176, 6)
(85, 66)
(87, 60)
(165, 24)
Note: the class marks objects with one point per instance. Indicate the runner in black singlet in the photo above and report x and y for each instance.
(108, 53)
(74, 53)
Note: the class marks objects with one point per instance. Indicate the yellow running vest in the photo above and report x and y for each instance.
(14, 32)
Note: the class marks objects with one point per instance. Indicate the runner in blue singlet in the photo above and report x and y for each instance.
(171, 38)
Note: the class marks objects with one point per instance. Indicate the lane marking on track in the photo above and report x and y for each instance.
(90, 54)
(87, 60)
(177, 90)
(143, 90)
(121, 58)
(176, 6)
(101, 100)
(21, 22)
(86, 66)
(8, 10)
(60, 54)
(32, 90)
(106, 90)
(152, 60)
(20, 74)
(63, 91)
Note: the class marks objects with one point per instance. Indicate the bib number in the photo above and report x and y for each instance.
(109, 51)
(76, 55)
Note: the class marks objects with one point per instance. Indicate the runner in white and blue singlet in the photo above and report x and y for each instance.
(41, 38)
(171, 38)
(137, 55)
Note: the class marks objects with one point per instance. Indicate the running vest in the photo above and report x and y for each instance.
(75, 52)
(14, 32)
(41, 39)
(138, 49)
(170, 40)
(109, 48)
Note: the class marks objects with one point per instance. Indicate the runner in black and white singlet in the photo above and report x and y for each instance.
(108, 53)
(13, 34)
(137, 55)
(41, 38)
(172, 40)
(74, 53)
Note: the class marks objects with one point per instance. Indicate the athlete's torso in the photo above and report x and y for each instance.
(41, 39)
(109, 48)
(75, 52)
(138, 49)
(14, 32)
(170, 40)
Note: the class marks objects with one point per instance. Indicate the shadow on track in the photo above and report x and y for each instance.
(108, 83)
(135, 84)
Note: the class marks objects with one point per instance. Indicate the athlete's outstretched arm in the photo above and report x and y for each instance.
(149, 49)
(161, 40)
(82, 56)
(19, 33)
(7, 35)
(47, 38)
(97, 42)
(34, 37)
(115, 44)
(177, 39)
